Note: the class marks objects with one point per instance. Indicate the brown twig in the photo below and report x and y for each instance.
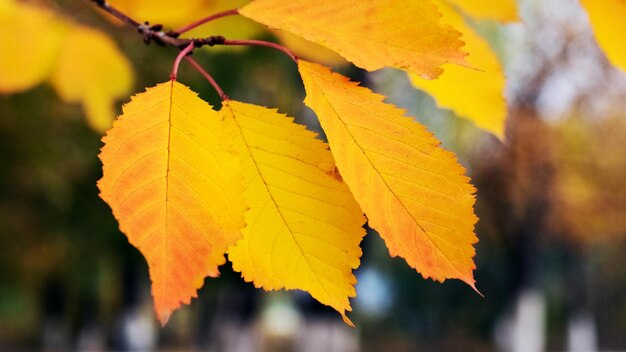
(149, 32)
(155, 33)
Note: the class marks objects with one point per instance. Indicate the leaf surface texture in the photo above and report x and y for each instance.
(174, 188)
(413, 191)
(303, 226)
(372, 34)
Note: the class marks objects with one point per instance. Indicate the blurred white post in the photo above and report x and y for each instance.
(581, 333)
(523, 330)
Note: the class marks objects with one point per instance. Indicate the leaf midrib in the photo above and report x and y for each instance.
(383, 179)
(240, 128)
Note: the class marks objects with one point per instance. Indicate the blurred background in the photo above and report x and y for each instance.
(551, 261)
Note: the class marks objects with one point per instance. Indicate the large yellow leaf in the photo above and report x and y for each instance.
(174, 188)
(29, 38)
(93, 71)
(500, 10)
(413, 191)
(303, 227)
(405, 34)
(477, 95)
(608, 19)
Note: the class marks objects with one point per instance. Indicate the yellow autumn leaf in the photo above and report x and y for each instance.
(413, 192)
(303, 227)
(371, 34)
(500, 10)
(174, 188)
(477, 95)
(608, 20)
(91, 70)
(29, 38)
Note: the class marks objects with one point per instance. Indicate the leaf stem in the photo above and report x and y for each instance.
(208, 77)
(189, 48)
(261, 43)
(155, 33)
(202, 21)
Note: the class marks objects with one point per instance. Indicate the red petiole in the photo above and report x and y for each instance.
(200, 22)
(189, 48)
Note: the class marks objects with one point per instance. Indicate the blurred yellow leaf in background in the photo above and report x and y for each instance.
(608, 20)
(591, 169)
(91, 70)
(29, 38)
(165, 12)
(498, 10)
(476, 94)
(83, 64)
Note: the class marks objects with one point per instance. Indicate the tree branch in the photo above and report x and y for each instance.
(150, 33)
(155, 33)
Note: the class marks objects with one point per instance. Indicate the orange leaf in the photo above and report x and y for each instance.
(412, 190)
(372, 34)
(174, 188)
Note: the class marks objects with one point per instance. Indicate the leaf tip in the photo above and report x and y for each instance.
(347, 320)
(164, 317)
(472, 283)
